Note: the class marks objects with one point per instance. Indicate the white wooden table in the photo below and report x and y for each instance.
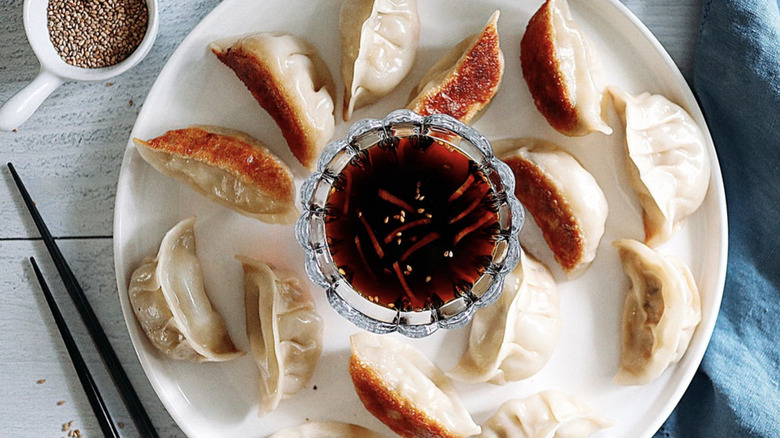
(69, 154)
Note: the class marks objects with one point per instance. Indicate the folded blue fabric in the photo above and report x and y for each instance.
(735, 392)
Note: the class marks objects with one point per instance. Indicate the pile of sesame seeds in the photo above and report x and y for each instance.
(96, 33)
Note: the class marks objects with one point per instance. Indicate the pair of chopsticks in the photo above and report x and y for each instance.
(140, 418)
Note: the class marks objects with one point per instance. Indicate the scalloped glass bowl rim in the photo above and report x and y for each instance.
(321, 269)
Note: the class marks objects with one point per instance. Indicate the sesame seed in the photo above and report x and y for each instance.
(96, 34)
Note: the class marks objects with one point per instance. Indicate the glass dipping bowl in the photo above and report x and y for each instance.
(360, 308)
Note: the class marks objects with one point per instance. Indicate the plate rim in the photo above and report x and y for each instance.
(717, 177)
(695, 355)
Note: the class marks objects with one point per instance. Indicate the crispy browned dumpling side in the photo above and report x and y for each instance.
(405, 419)
(404, 390)
(464, 81)
(559, 68)
(564, 199)
(227, 166)
(286, 76)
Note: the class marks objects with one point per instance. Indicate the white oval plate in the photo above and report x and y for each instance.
(209, 400)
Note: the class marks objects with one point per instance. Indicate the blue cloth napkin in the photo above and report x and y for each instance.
(735, 392)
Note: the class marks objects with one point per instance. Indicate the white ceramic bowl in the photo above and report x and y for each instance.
(54, 70)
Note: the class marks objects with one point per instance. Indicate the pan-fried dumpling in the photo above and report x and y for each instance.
(668, 164)
(284, 330)
(514, 338)
(562, 70)
(227, 166)
(563, 198)
(326, 429)
(404, 390)
(547, 414)
(378, 46)
(464, 80)
(290, 81)
(661, 312)
(170, 302)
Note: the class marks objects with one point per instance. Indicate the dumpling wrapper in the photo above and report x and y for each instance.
(463, 81)
(170, 303)
(562, 71)
(284, 331)
(514, 338)
(564, 199)
(668, 163)
(228, 167)
(378, 46)
(287, 77)
(661, 313)
(546, 414)
(404, 390)
(326, 429)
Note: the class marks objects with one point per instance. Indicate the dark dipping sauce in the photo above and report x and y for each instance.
(411, 223)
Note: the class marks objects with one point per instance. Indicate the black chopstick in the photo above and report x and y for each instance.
(87, 382)
(130, 398)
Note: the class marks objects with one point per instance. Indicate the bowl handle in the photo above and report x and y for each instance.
(21, 106)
